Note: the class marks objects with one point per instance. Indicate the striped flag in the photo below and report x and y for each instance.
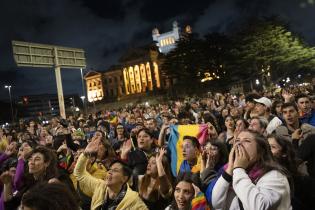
(176, 139)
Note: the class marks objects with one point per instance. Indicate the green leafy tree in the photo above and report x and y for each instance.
(266, 47)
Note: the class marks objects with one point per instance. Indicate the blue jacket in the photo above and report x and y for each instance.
(309, 118)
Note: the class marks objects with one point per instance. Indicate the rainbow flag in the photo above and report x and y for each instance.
(176, 139)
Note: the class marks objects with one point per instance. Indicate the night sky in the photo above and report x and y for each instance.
(105, 29)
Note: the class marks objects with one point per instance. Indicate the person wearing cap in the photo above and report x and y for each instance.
(263, 109)
(250, 104)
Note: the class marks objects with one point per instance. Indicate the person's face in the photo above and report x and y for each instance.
(115, 176)
(240, 125)
(213, 134)
(229, 123)
(190, 153)
(132, 121)
(49, 140)
(234, 112)
(275, 147)
(151, 125)
(225, 112)
(278, 108)
(260, 109)
(151, 167)
(120, 130)
(304, 104)
(290, 115)
(183, 194)
(43, 132)
(144, 140)
(165, 121)
(36, 164)
(212, 150)
(254, 125)
(250, 105)
(32, 124)
(139, 120)
(98, 134)
(24, 147)
(235, 103)
(248, 142)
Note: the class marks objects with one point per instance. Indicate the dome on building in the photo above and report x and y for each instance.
(175, 24)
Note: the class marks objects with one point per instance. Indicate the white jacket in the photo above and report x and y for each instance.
(272, 191)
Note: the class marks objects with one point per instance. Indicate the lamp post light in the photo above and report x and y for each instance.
(9, 89)
(83, 102)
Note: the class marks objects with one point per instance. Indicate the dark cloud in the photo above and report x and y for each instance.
(105, 29)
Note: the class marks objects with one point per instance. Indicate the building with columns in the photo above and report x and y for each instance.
(141, 73)
(139, 70)
(138, 73)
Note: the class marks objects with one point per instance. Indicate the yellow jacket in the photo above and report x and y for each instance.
(97, 189)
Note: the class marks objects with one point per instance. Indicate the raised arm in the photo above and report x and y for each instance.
(165, 184)
(86, 180)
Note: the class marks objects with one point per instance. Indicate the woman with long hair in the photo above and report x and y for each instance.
(155, 187)
(137, 157)
(284, 153)
(252, 179)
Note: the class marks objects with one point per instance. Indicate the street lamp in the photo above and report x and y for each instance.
(9, 89)
(83, 102)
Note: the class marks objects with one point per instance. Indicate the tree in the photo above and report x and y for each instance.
(266, 47)
(195, 60)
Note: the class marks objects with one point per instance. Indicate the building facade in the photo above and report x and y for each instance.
(166, 42)
(94, 86)
(138, 73)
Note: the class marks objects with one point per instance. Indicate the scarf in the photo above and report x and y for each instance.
(113, 205)
(254, 173)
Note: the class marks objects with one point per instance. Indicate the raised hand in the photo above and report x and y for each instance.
(196, 189)
(6, 177)
(126, 148)
(287, 96)
(92, 147)
(62, 147)
(211, 161)
(159, 156)
(23, 152)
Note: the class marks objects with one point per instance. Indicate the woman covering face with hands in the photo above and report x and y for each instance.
(257, 181)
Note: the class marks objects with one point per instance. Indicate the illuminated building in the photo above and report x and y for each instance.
(141, 73)
(138, 73)
(94, 86)
(113, 83)
(167, 41)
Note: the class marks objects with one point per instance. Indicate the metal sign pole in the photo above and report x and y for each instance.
(60, 93)
(59, 86)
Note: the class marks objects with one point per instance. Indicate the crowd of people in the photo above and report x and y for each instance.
(259, 153)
